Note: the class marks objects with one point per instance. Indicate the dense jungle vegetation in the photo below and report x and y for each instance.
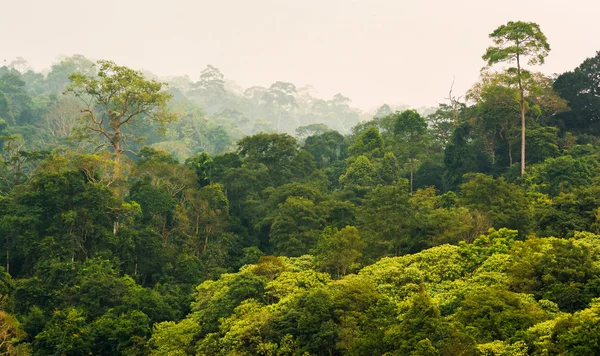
(166, 216)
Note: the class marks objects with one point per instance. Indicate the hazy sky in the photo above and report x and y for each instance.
(374, 51)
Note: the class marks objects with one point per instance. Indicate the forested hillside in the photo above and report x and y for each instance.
(166, 216)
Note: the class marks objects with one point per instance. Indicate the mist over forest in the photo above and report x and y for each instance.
(146, 215)
(213, 111)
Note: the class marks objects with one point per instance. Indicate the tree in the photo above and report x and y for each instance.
(58, 77)
(410, 129)
(20, 64)
(442, 122)
(463, 155)
(565, 273)
(369, 143)
(283, 96)
(275, 151)
(563, 174)
(343, 114)
(293, 232)
(302, 132)
(386, 219)
(60, 120)
(578, 334)
(16, 164)
(338, 251)
(581, 88)
(115, 99)
(514, 41)
(120, 333)
(420, 323)
(169, 338)
(11, 336)
(210, 92)
(65, 334)
(15, 103)
(328, 148)
(497, 112)
(389, 171)
(211, 79)
(361, 173)
(505, 204)
(496, 314)
(383, 111)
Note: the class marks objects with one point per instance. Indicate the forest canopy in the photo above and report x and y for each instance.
(173, 216)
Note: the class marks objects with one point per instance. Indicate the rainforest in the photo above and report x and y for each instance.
(151, 215)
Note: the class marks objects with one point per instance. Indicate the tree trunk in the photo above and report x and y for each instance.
(117, 148)
(522, 116)
(491, 148)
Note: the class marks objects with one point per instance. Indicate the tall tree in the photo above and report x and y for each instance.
(114, 99)
(514, 42)
(210, 92)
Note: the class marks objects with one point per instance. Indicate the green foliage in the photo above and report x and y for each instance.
(399, 235)
(338, 251)
(369, 143)
(578, 334)
(124, 96)
(580, 88)
(361, 173)
(497, 314)
(275, 151)
(563, 174)
(504, 204)
(517, 39)
(389, 171)
(12, 336)
(385, 218)
(514, 42)
(462, 157)
(294, 227)
(170, 338)
(562, 271)
(65, 334)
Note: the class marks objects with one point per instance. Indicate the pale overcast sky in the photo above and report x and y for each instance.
(374, 51)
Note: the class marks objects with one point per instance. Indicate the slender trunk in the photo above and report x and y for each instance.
(454, 111)
(117, 148)
(205, 242)
(522, 116)
(510, 153)
(7, 259)
(17, 174)
(197, 234)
